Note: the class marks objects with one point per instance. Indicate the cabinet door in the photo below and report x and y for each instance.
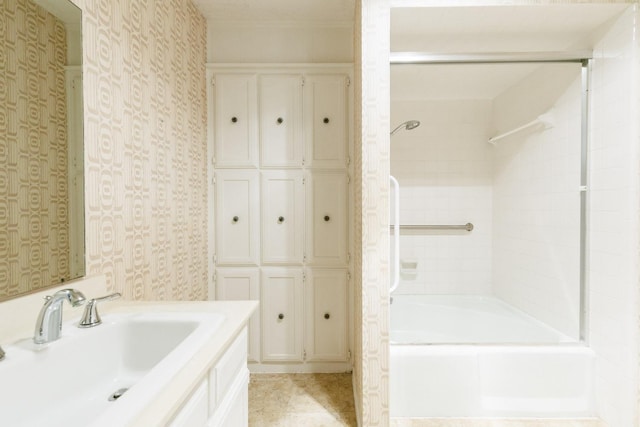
(281, 290)
(327, 215)
(235, 112)
(194, 412)
(280, 100)
(326, 119)
(237, 219)
(234, 284)
(282, 217)
(326, 306)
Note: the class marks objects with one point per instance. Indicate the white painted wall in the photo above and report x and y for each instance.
(536, 198)
(255, 42)
(614, 235)
(444, 169)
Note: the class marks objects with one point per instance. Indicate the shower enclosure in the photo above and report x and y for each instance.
(487, 317)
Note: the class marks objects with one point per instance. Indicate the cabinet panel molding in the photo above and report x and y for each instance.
(327, 218)
(282, 320)
(326, 121)
(236, 118)
(233, 284)
(282, 217)
(280, 107)
(237, 217)
(326, 296)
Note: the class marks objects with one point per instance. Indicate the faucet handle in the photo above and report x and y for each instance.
(90, 317)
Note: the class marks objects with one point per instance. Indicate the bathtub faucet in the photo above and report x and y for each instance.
(49, 321)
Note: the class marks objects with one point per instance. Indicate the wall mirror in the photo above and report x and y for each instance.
(41, 145)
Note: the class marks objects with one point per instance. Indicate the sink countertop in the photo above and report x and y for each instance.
(161, 409)
(18, 317)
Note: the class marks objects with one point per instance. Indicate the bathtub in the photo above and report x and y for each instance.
(463, 356)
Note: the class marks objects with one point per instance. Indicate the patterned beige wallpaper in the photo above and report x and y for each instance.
(371, 368)
(34, 224)
(145, 156)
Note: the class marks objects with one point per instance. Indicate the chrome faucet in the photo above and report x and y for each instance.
(1, 353)
(49, 321)
(91, 318)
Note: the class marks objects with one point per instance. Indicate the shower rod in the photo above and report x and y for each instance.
(415, 58)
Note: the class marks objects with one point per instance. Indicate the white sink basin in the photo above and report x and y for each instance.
(68, 382)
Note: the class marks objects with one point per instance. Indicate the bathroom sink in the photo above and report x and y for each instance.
(101, 375)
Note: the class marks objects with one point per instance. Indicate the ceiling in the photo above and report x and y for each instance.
(264, 11)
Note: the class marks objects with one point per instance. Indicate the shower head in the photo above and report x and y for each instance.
(408, 125)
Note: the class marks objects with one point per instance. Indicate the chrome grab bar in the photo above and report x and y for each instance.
(468, 227)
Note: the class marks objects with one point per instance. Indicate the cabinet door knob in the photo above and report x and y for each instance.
(326, 120)
(280, 219)
(280, 316)
(280, 120)
(327, 218)
(235, 219)
(327, 315)
(234, 119)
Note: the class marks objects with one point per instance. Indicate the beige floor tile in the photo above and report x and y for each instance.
(282, 400)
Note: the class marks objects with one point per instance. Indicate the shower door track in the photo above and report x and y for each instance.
(417, 58)
(583, 58)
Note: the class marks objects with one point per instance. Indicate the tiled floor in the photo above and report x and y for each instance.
(293, 400)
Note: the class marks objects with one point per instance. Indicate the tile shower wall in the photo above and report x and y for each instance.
(33, 155)
(536, 215)
(444, 168)
(145, 160)
(613, 221)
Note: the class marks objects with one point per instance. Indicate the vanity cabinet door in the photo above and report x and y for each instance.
(242, 284)
(282, 217)
(326, 129)
(195, 411)
(236, 117)
(326, 297)
(280, 104)
(282, 322)
(237, 217)
(327, 216)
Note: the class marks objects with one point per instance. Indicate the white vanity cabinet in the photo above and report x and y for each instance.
(237, 216)
(325, 119)
(221, 399)
(282, 320)
(236, 118)
(282, 217)
(280, 106)
(327, 215)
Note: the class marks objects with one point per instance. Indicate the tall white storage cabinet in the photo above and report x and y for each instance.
(280, 149)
